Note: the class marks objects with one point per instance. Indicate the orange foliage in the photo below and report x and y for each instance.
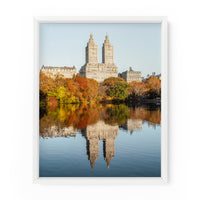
(80, 89)
(138, 88)
(92, 89)
(52, 103)
(154, 84)
(83, 84)
(153, 116)
(46, 84)
(67, 90)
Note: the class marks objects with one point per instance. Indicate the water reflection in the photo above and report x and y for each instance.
(133, 125)
(95, 123)
(100, 131)
(80, 116)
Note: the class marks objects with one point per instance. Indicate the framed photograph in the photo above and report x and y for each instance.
(100, 100)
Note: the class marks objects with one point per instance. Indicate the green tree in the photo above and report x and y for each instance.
(118, 90)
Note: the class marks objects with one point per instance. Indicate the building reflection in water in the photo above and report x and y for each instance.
(100, 131)
(132, 125)
(55, 131)
(117, 116)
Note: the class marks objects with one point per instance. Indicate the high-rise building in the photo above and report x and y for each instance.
(107, 52)
(91, 51)
(93, 69)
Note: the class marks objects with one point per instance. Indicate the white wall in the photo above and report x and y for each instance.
(16, 45)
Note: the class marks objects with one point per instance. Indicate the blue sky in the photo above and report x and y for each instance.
(136, 45)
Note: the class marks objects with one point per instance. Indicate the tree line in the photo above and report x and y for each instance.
(84, 90)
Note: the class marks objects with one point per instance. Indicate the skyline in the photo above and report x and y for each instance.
(139, 45)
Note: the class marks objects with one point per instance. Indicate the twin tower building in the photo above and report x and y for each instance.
(93, 69)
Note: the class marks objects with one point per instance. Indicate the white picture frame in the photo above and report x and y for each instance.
(164, 102)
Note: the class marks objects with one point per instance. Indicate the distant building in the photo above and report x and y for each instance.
(52, 72)
(131, 75)
(158, 76)
(152, 75)
(93, 69)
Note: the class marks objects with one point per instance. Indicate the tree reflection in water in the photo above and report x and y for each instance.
(96, 122)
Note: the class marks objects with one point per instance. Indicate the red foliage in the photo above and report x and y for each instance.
(52, 103)
(83, 84)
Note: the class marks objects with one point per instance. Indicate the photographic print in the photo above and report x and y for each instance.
(100, 99)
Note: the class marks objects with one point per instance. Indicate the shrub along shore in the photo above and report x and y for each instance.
(76, 90)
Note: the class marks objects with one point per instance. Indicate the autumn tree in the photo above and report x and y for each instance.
(83, 86)
(114, 88)
(92, 90)
(111, 80)
(118, 90)
(46, 83)
(138, 89)
(78, 75)
(59, 81)
(154, 85)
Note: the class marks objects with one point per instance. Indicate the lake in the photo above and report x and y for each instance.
(103, 140)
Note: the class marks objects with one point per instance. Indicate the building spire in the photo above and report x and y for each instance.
(108, 161)
(91, 38)
(107, 39)
(107, 51)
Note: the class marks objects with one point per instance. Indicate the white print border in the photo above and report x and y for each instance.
(164, 103)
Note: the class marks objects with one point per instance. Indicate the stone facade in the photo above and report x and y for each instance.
(93, 69)
(131, 75)
(66, 72)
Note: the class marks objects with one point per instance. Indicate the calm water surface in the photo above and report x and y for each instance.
(100, 141)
